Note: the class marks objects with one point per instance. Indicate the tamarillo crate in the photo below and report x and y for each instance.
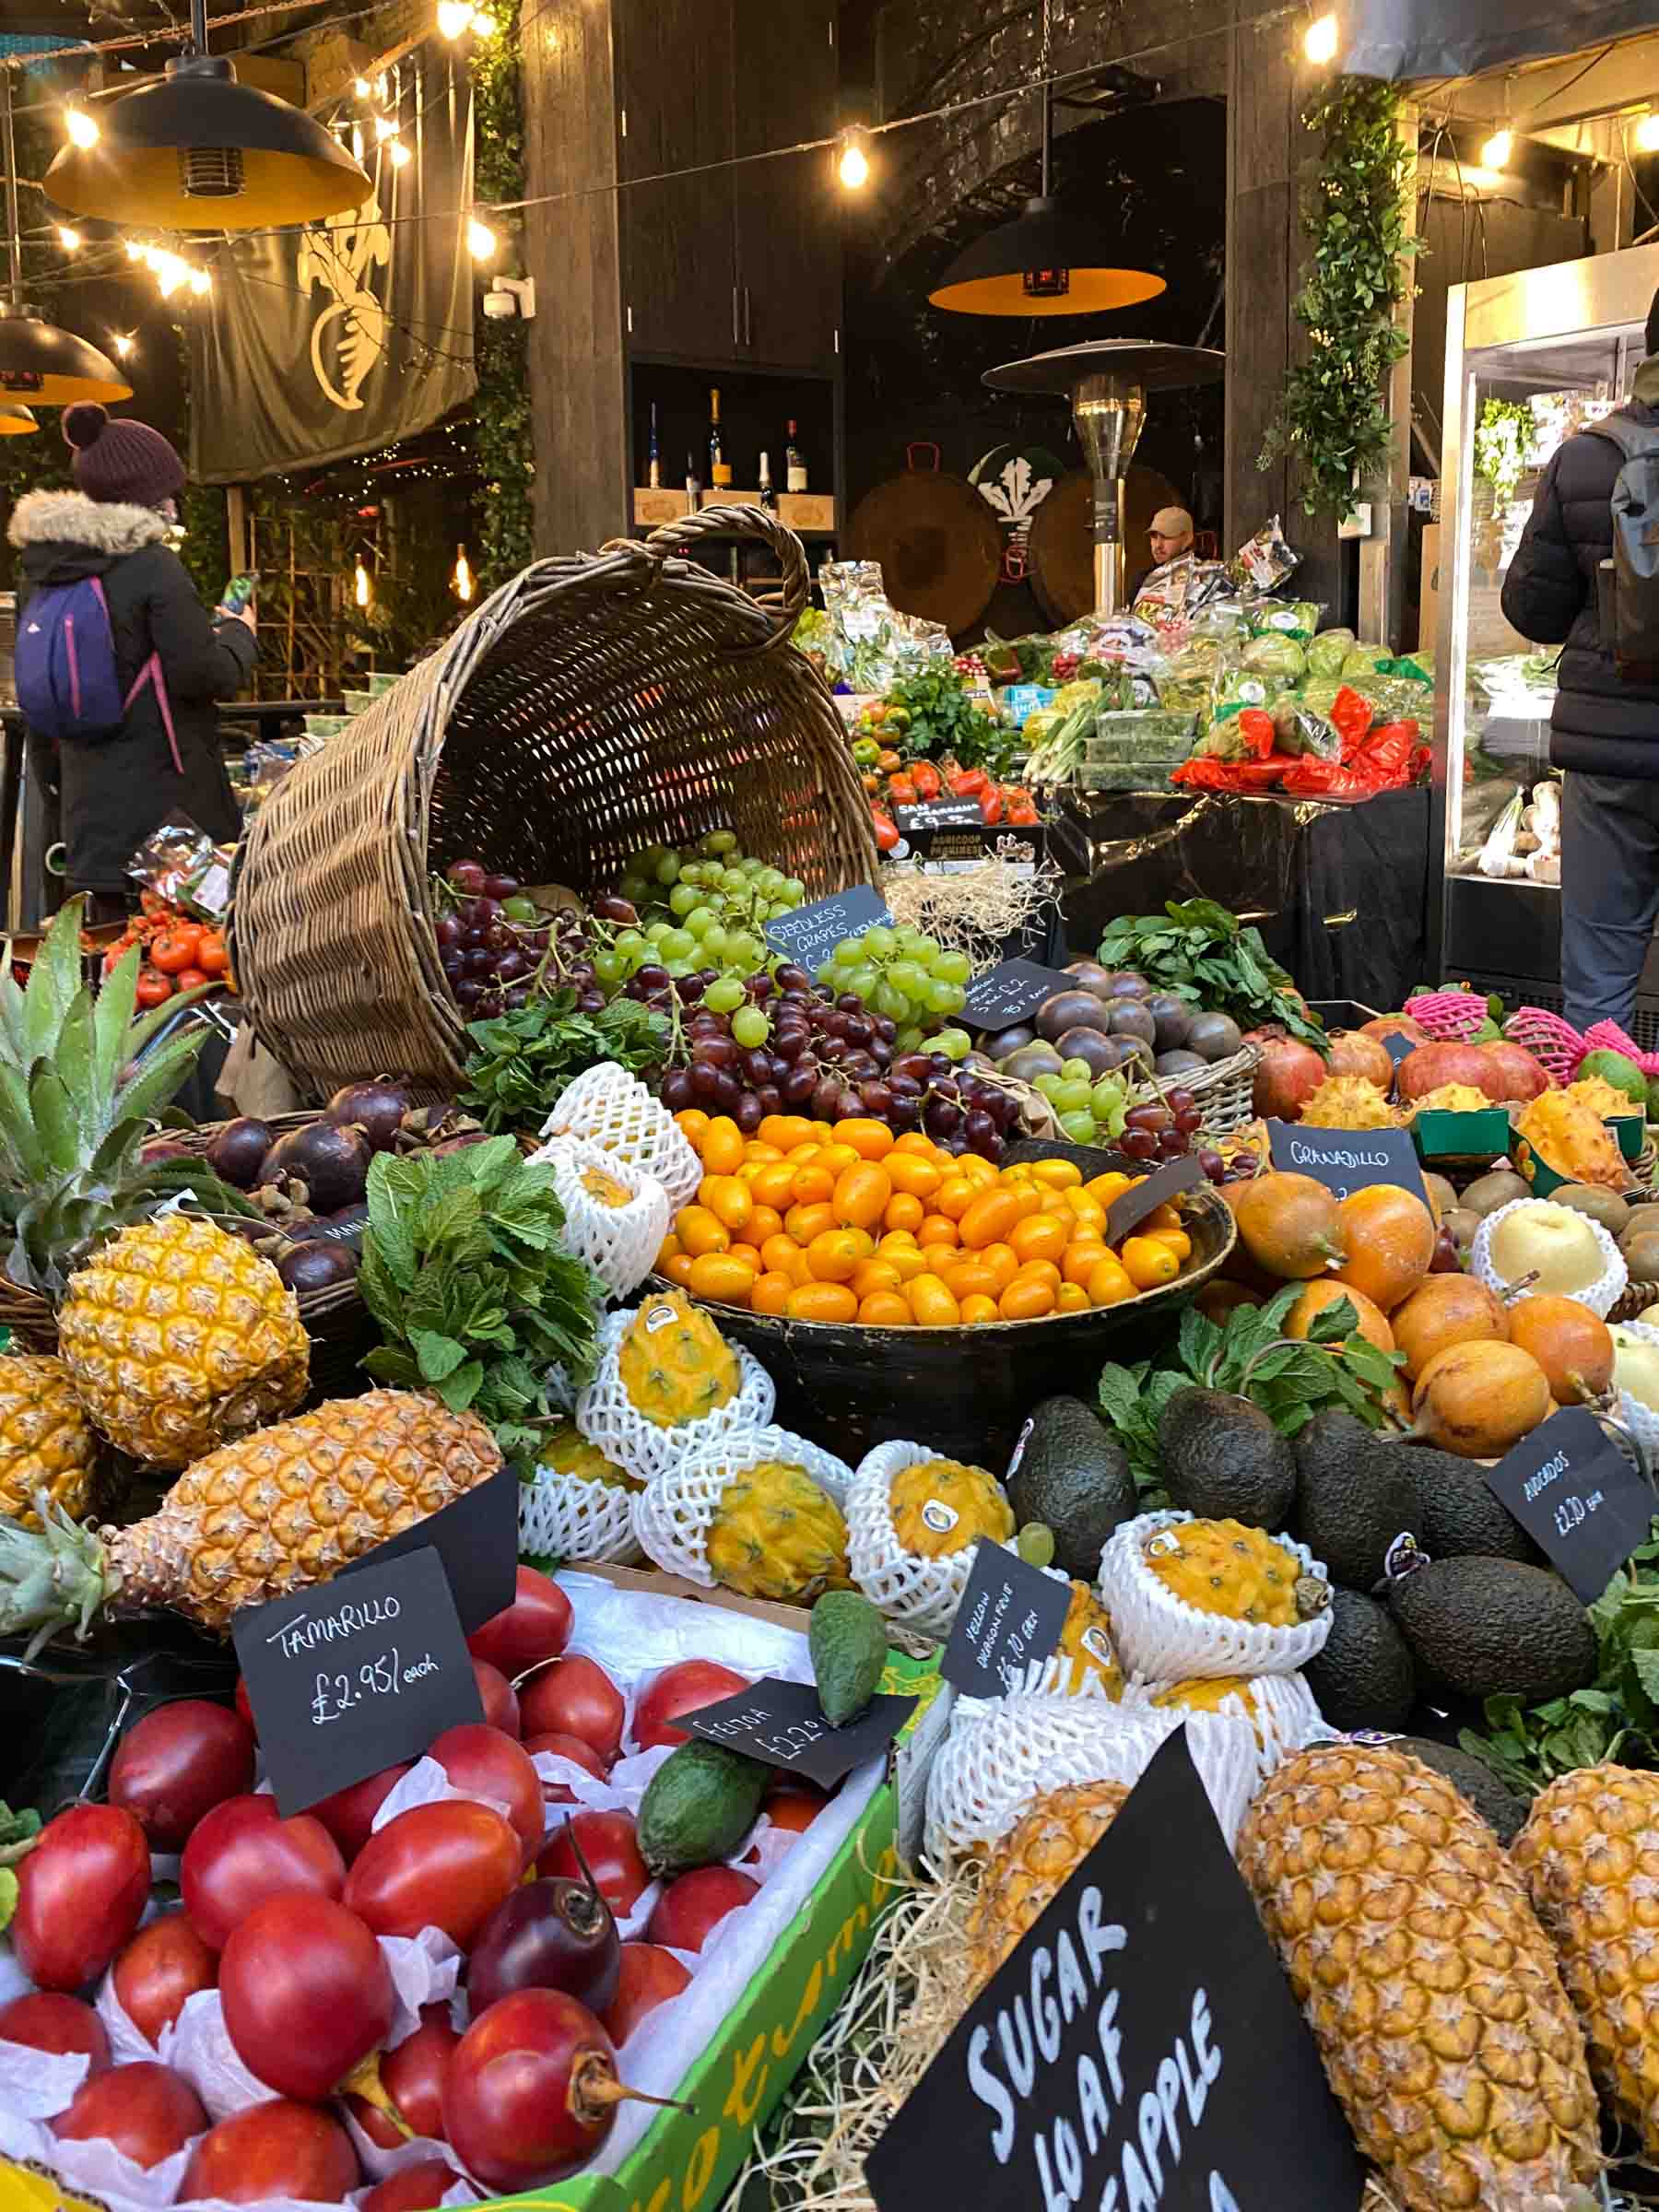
(594, 704)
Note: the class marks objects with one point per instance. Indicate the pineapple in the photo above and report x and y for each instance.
(1240, 1573)
(1590, 1855)
(1428, 1984)
(46, 1442)
(274, 1511)
(568, 1451)
(178, 1336)
(673, 1364)
(776, 1535)
(939, 1506)
(1085, 1640)
(1031, 1864)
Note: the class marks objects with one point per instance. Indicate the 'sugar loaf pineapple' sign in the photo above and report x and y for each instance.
(1138, 2051)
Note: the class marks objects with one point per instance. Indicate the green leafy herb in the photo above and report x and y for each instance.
(465, 1272)
(1201, 952)
(17, 1832)
(518, 1064)
(9, 1897)
(943, 718)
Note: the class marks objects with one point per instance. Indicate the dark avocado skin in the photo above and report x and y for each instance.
(1224, 1460)
(1365, 1676)
(1355, 1493)
(1459, 1514)
(1485, 1627)
(1073, 1478)
(1503, 1811)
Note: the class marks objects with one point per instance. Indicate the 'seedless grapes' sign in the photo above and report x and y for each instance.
(811, 933)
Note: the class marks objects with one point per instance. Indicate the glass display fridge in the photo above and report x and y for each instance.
(1530, 359)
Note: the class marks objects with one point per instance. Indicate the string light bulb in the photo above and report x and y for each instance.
(386, 126)
(361, 591)
(854, 167)
(400, 154)
(483, 24)
(80, 128)
(69, 240)
(170, 273)
(201, 283)
(361, 89)
(1496, 152)
(463, 578)
(481, 241)
(121, 344)
(357, 141)
(1647, 133)
(1319, 40)
(455, 17)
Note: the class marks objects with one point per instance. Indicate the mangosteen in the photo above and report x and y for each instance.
(330, 1161)
(317, 1265)
(1009, 1040)
(377, 1109)
(1129, 1017)
(1173, 1018)
(1089, 975)
(1123, 982)
(236, 1153)
(460, 1142)
(1070, 1010)
(1121, 1050)
(1027, 1062)
(1214, 1037)
(1090, 1046)
(1179, 1063)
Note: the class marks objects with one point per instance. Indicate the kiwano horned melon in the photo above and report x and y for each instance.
(1573, 1141)
(673, 1364)
(939, 1506)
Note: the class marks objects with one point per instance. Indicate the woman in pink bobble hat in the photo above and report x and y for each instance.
(173, 661)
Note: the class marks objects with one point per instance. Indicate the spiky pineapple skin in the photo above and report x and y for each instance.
(295, 1503)
(1589, 1854)
(1086, 1639)
(677, 1369)
(178, 1336)
(974, 1497)
(46, 1442)
(1431, 1988)
(568, 1451)
(1028, 1866)
(776, 1535)
(1223, 1567)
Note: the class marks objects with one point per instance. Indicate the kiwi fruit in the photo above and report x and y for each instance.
(1642, 1217)
(1501, 1187)
(1463, 1226)
(1606, 1206)
(1641, 1255)
(1442, 1197)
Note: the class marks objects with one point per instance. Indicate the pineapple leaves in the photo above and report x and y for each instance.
(111, 1019)
(56, 1128)
(160, 1076)
(53, 979)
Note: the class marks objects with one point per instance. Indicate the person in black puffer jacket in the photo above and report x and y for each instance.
(1604, 731)
(110, 796)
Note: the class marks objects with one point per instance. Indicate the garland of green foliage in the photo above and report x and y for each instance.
(1333, 420)
(1501, 437)
(501, 406)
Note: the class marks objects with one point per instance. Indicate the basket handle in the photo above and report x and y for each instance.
(783, 600)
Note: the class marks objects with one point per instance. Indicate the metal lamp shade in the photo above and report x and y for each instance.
(1047, 262)
(197, 152)
(41, 363)
(16, 421)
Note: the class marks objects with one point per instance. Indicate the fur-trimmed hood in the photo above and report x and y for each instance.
(69, 518)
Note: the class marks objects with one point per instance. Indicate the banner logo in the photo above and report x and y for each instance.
(348, 338)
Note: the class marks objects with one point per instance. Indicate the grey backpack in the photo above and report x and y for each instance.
(1628, 585)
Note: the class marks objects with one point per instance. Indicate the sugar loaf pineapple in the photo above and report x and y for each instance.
(939, 1506)
(47, 1444)
(673, 1364)
(1589, 1854)
(1429, 1983)
(271, 1513)
(775, 1534)
(568, 1451)
(1032, 1863)
(1240, 1573)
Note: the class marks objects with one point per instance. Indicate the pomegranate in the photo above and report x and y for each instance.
(1354, 1053)
(1396, 1025)
(1431, 1065)
(1289, 1074)
(1511, 1071)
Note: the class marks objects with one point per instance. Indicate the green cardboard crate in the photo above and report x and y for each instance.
(1481, 1135)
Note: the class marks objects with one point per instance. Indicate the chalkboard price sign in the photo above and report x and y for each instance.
(1578, 1496)
(938, 814)
(1397, 1047)
(783, 1723)
(1010, 1618)
(810, 934)
(1347, 1159)
(1125, 1214)
(1010, 992)
(349, 1677)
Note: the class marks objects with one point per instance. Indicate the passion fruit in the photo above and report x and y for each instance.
(1478, 1399)
(1289, 1226)
(1445, 1310)
(1573, 1345)
(1072, 1009)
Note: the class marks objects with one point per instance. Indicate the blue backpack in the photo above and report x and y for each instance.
(67, 681)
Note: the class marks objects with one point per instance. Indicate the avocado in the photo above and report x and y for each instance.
(1456, 1513)
(1223, 1459)
(1364, 1677)
(698, 1806)
(1615, 1068)
(1499, 1807)
(1354, 1494)
(1068, 1474)
(847, 1639)
(1485, 1627)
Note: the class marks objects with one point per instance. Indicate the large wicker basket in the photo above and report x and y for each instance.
(593, 705)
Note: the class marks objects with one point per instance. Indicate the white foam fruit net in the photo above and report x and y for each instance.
(1001, 1754)
(618, 1242)
(922, 1594)
(605, 1106)
(1641, 1421)
(577, 1521)
(1282, 1712)
(607, 1417)
(1161, 1636)
(673, 1512)
(1601, 1296)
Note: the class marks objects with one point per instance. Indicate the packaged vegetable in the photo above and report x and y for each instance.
(1367, 660)
(1328, 650)
(1297, 619)
(1264, 560)
(1274, 654)
(1302, 732)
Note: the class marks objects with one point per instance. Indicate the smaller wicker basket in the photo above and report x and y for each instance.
(1224, 1093)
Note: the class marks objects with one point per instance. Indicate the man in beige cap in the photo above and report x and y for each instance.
(1171, 534)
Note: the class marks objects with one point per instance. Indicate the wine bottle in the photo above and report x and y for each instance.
(768, 497)
(720, 469)
(653, 454)
(795, 464)
(693, 483)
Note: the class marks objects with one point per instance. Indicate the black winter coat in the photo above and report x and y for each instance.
(109, 796)
(1601, 724)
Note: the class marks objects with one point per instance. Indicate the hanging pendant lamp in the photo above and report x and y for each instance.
(195, 151)
(37, 361)
(1049, 261)
(16, 421)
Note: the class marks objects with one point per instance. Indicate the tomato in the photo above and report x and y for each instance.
(213, 957)
(177, 1763)
(176, 948)
(499, 1698)
(479, 1758)
(47, 2020)
(244, 1704)
(577, 1752)
(928, 780)
(349, 1815)
(412, 2188)
(162, 1966)
(649, 1976)
(146, 2111)
(537, 1624)
(612, 1852)
(278, 2150)
(189, 979)
(887, 830)
(445, 1866)
(794, 1804)
(694, 1904)
(153, 989)
(529, 2095)
(991, 804)
(412, 2072)
(574, 1696)
(306, 1992)
(242, 1852)
(901, 791)
(682, 1688)
(81, 1893)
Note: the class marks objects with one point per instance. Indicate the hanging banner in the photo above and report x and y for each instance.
(1397, 39)
(346, 336)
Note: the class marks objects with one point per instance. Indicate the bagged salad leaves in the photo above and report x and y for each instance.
(1297, 619)
(1328, 650)
(1274, 654)
(1300, 731)
(1367, 660)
